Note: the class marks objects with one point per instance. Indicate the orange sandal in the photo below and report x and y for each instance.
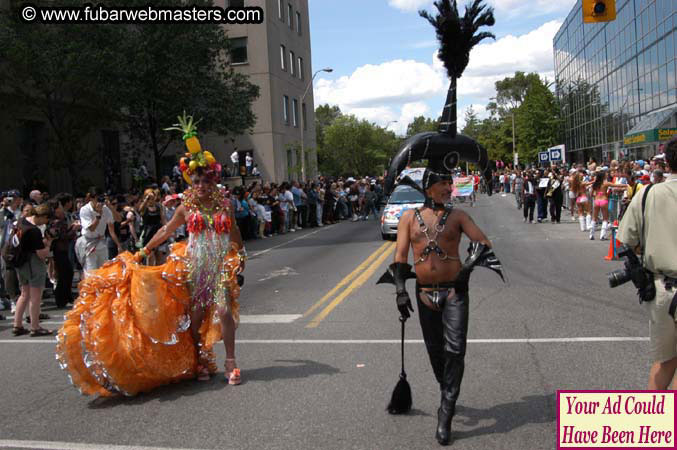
(233, 376)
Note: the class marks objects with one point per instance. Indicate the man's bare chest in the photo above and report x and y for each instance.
(429, 227)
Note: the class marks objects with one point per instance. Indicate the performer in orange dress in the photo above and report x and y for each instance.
(137, 327)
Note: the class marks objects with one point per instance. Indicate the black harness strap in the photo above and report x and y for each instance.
(443, 220)
(432, 245)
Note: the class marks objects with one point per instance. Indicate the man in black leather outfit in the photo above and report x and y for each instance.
(434, 234)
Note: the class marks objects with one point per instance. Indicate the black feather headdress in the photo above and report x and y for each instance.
(445, 149)
(457, 36)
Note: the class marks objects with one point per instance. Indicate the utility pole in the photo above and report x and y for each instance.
(303, 123)
(514, 150)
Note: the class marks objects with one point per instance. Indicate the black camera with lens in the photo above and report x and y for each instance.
(634, 271)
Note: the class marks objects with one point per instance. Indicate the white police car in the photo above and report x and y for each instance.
(403, 198)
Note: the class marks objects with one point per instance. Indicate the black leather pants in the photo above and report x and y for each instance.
(445, 334)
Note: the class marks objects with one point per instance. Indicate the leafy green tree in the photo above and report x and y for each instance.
(421, 124)
(472, 123)
(537, 121)
(495, 134)
(324, 117)
(176, 67)
(64, 75)
(81, 78)
(510, 92)
(356, 147)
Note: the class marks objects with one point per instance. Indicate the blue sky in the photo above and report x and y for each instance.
(382, 54)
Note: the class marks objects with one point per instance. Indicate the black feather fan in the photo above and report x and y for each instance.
(458, 35)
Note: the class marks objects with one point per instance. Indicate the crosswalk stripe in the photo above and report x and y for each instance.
(392, 341)
(244, 318)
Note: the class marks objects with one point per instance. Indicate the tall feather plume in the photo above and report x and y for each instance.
(458, 35)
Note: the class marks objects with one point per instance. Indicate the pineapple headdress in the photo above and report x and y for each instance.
(195, 158)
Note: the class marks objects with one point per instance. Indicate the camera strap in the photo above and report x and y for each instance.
(641, 236)
(673, 305)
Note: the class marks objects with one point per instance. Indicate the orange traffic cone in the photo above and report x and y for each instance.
(612, 250)
(613, 244)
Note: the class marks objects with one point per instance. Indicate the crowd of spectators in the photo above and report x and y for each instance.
(594, 194)
(79, 233)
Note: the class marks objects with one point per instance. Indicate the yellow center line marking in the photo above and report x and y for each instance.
(359, 281)
(347, 279)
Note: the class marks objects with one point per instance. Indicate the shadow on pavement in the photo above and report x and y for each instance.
(533, 409)
(166, 393)
(301, 368)
(171, 392)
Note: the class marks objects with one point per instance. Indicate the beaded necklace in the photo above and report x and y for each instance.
(203, 216)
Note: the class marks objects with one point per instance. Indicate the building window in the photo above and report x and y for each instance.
(238, 50)
(285, 109)
(300, 68)
(283, 57)
(303, 115)
(292, 70)
(295, 112)
(298, 22)
(236, 3)
(290, 16)
(280, 9)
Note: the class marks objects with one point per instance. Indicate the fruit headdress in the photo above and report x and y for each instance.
(196, 160)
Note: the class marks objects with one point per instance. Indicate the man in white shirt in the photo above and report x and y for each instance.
(235, 159)
(287, 206)
(91, 246)
(248, 163)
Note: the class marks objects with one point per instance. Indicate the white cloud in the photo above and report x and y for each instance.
(531, 8)
(504, 8)
(531, 52)
(480, 111)
(399, 89)
(393, 82)
(408, 5)
(493, 61)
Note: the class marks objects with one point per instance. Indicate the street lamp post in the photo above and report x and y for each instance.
(303, 155)
(514, 150)
(388, 124)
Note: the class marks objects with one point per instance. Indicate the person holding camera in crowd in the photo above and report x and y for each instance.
(649, 226)
(95, 217)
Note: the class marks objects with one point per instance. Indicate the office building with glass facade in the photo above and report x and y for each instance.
(616, 81)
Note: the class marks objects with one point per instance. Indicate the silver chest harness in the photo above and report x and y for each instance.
(432, 245)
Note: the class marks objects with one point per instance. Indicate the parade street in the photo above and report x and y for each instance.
(319, 351)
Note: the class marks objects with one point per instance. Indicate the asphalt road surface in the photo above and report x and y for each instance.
(318, 348)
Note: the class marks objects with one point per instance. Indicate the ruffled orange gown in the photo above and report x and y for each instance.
(129, 330)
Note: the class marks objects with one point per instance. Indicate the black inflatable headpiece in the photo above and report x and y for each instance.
(445, 149)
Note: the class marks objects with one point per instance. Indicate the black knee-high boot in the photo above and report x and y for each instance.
(455, 330)
(445, 336)
(450, 388)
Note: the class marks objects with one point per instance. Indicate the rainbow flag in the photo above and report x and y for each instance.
(463, 187)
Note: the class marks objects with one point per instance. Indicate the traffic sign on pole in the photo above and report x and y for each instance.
(555, 154)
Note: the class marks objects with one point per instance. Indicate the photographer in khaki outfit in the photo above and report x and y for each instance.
(655, 232)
